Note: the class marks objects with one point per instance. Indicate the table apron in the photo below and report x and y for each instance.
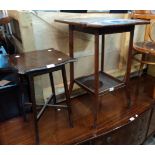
(44, 71)
(104, 30)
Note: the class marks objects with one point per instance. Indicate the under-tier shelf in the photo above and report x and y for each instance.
(106, 83)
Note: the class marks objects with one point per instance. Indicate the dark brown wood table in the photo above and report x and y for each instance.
(100, 83)
(36, 63)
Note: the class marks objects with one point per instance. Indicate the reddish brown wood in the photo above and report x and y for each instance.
(53, 87)
(129, 58)
(133, 132)
(32, 96)
(101, 26)
(147, 50)
(96, 78)
(150, 87)
(113, 122)
(71, 54)
(37, 63)
(146, 47)
(128, 70)
(102, 53)
(68, 100)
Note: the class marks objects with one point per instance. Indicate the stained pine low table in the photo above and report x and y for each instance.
(36, 63)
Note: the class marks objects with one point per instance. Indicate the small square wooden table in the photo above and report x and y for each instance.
(36, 63)
(100, 83)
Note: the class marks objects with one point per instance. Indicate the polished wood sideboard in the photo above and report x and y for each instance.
(133, 133)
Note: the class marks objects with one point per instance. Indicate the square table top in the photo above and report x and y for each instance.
(101, 22)
(38, 60)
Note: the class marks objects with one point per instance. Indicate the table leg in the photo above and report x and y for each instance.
(33, 100)
(21, 98)
(68, 101)
(52, 86)
(71, 54)
(102, 53)
(96, 82)
(128, 70)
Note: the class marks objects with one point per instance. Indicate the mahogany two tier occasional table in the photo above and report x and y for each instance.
(36, 63)
(100, 83)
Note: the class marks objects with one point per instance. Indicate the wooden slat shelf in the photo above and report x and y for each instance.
(106, 83)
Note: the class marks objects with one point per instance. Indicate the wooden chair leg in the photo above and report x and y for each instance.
(68, 100)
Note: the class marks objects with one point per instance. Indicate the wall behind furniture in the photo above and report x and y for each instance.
(39, 31)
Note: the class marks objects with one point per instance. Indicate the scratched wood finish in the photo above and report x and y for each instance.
(113, 122)
(38, 60)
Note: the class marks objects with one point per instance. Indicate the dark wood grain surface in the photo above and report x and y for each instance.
(106, 83)
(102, 22)
(114, 124)
(38, 60)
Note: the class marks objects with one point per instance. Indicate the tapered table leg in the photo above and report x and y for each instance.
(68, 101)
(32, 95)
(96, 82)
(102, 53)
(52, 86)
(71, 54)
(128, 70)
(21, 97)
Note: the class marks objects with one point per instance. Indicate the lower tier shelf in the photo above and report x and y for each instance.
(106, 83)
